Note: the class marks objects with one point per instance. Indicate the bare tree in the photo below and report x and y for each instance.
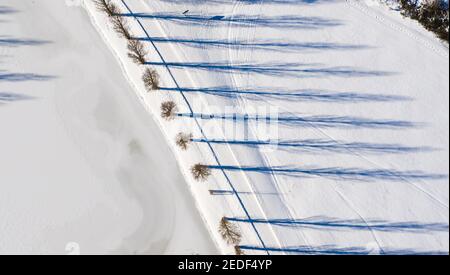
(107, 6)
(136, 51)
(238, 250)
(151, 79)
(120, 25)
(229, 232)
(183, 140)
(201, 172)
(168, 110)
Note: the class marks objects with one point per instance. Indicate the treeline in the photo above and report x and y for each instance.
(432, 14)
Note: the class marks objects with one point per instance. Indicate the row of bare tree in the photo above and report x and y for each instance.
(138, 54)
(136, 49)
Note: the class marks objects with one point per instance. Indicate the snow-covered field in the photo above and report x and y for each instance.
(83, 166)
(354, 161)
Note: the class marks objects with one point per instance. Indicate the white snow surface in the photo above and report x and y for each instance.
(361, 102)
(83, 166)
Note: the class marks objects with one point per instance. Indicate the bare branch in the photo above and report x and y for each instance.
(183, 140)
(168, 110)
(136, 51)
(151, 79)
(107, 6)
(120, 25)
(201, 172)
(229, 232)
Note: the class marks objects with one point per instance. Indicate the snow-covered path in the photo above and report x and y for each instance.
(81, 160)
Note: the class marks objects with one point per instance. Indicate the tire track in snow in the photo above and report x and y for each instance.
(242, 102)
(442, 204)
(356, 154)
(266, 160)
(241, 203)
(233, 79)
(339, 193)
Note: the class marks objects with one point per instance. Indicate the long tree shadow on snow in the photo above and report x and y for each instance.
(327, 223)
(311, 121)
(302, 95)
(320, 145)
(6, 10)
(20, 77)
(274, 69)
(335, 173)
(11, 97)
(6, 41)
(262, 45)
(239, 20)
(335, 250)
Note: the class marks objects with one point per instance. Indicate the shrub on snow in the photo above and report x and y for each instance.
(151, 80)
(120, 25)
(107, 6)
(229, 232)
(137, 52)
(183, 140)
(201, 172)
(168, 110)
